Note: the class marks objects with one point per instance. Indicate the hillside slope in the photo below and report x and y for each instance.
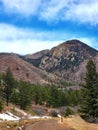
(63, 63)
(23, 70)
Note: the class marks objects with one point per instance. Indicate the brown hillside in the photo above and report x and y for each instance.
(24, 70)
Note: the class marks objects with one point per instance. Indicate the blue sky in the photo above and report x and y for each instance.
(28, 26)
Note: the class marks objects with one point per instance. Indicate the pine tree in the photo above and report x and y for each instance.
(7, 85)
(1, 105)
(89, 92)
(24, 94)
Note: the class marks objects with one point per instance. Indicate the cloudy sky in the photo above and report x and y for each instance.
(28, 26)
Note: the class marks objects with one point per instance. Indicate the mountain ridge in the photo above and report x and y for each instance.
(23, 70)
(68, 58)
(65, 62)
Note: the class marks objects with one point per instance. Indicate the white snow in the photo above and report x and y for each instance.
(7, 117)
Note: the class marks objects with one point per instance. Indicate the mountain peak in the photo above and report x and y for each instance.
(73, 46)
(74, 42)
(66, 58)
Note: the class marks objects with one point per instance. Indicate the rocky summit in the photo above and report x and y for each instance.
(65, 62)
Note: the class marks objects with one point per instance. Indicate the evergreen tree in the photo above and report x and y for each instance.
(89, 92)
(14, 98)
(1, 105)
(54, 96)
(36, 94)
(8, 84)
(24, 95)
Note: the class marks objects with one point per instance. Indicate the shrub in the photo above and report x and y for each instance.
(68, 112)
(53, 113)
(1, 105)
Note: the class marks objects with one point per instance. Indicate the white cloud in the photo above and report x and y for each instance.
(53, 10)
(82, 11)
(30, 47)
(11, 32)
(23, 7)
(23, 41)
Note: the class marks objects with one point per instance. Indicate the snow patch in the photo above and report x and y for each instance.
(8, 117)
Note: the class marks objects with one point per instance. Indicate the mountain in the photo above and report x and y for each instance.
(66, 60)
(23, 70)
(36, 58)
(63, 63)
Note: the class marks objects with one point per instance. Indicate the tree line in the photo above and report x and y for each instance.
(23, 93)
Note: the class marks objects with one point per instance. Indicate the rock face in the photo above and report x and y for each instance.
(65, 62)
(36, 58)
(67, 55)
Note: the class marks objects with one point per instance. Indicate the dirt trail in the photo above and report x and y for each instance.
(73, 123)
(48, 125)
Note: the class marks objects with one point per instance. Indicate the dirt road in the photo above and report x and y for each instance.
(48, 125)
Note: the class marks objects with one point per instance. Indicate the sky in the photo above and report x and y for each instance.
(28, 26)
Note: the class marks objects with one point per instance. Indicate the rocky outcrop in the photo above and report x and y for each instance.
(67, 60)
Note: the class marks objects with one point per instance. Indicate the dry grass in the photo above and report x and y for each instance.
(79, 124)
(8, 125)
(13, 125)
(74, 123)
